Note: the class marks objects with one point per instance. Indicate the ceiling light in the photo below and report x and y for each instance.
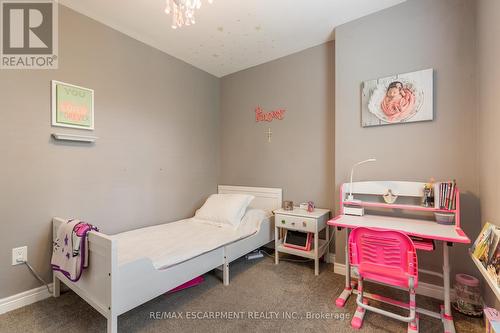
(183, 11)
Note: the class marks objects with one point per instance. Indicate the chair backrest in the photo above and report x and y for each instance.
(384, 256)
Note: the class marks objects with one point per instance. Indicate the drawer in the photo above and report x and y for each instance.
(295, 223)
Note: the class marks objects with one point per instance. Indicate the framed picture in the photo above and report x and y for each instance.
(402, 98)
(72, 106)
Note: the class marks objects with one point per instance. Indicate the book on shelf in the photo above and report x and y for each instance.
(482, 243)
(495, 237)
(492, 320)
(494, 272)
(493, 264)
(486, 249)
(445, 195)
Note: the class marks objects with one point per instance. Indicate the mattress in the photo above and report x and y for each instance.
(175, 242)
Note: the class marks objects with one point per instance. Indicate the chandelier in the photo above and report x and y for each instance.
(183, 11)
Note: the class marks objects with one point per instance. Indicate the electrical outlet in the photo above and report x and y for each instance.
(19, 255)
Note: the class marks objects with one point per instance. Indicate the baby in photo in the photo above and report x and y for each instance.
(399, 101)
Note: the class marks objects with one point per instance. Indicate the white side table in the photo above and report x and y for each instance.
(301, 220)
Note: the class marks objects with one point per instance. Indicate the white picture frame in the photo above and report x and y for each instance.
(76, 108)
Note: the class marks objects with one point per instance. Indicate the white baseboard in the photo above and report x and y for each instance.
(25, 298)
(424, 289)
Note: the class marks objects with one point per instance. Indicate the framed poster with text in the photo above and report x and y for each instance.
(72, 106)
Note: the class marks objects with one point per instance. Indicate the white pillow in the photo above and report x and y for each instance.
(225, 208)
(251, 221)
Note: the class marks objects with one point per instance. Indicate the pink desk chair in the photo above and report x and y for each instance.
(387, 257)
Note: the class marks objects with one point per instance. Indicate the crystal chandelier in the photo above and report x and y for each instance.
(183, 11)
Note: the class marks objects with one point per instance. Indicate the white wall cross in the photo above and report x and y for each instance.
(269, 134)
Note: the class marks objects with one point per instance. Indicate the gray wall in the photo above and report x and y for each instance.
(300, 157)
(488, 29)
(155, 161)
(415, 35)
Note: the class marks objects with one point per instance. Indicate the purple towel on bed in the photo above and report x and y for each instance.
(70, 249)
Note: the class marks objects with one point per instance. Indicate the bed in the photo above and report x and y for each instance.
(117, 282)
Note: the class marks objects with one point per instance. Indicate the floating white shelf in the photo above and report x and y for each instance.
(74, 137)
(493, 285)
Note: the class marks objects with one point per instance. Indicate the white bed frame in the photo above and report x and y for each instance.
(112, 289)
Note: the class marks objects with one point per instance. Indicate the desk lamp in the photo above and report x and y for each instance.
(350, 196)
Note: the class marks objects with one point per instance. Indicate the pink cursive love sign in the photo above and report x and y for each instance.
(260, 115)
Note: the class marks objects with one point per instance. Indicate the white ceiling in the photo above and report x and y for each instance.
(231, 35)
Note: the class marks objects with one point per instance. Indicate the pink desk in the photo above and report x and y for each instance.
(426, 229)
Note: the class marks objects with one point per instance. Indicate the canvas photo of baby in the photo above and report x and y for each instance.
(399, 99)
(399, 102)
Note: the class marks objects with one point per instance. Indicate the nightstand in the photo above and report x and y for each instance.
(301, 220)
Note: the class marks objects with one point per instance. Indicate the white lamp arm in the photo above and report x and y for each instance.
(350, 197)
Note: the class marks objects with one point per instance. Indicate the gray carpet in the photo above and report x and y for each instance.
(256, 286)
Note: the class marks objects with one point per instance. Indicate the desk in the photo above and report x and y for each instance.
(412, 227)
(427, 229)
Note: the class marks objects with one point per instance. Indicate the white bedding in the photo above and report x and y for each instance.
(172, 243)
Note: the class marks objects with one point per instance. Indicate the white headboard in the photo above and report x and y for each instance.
(267, 199)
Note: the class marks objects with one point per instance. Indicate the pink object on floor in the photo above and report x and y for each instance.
(194, 282)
